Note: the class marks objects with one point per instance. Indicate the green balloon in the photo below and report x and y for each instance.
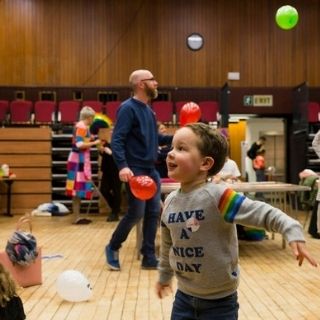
(287, 17)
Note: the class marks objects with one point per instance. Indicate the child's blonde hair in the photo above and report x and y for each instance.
(212, 144)
(7, 287)
(86, 112)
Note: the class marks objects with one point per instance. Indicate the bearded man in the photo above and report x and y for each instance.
(135, 142)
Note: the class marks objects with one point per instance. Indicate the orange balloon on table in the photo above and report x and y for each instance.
(143, 187)
(189, 113)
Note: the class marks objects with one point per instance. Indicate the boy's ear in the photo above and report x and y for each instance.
(207, 163)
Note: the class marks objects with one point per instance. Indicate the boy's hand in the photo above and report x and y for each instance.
(163, 290)
(300, 251)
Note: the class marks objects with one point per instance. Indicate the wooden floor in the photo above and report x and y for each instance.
(272, 285)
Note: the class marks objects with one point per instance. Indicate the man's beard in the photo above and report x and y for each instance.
(151, 93)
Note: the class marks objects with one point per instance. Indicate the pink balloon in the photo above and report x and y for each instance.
(143, 187)
(190, 112)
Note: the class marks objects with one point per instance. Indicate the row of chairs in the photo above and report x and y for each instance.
(67, 112)
(49, 112)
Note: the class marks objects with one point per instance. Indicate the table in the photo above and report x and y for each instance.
(8, 182)
(245, 187)
(277, 191)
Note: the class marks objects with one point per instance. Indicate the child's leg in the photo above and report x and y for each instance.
(76, 201)
(183, 307)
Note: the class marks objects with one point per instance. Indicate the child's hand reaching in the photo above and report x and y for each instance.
(163, 290)
(300, 251)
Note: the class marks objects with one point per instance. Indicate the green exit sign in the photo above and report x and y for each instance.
(258, 100)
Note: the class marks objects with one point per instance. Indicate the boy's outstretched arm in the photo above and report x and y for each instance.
(300, 251)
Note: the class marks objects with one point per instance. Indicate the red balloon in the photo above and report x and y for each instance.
(143, 187)
(190, 112)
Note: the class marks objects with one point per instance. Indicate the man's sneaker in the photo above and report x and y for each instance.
(149, 263)
(112, 258)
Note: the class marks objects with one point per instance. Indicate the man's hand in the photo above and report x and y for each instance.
(125, 174)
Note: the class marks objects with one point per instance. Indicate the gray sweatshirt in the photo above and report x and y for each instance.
(199, 239)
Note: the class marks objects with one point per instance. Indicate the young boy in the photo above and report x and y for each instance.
(198, 229)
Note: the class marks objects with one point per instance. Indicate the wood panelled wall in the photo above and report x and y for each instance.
(99, 42)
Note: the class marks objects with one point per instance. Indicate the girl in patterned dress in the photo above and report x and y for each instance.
(79, 181)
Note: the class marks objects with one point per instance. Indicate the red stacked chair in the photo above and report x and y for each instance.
(4, 111)
(96, 105)
(112, 108)
(313, 112)
(68, 111)
(44, 112)
(209, 110)
(20, 111)
(163, 111)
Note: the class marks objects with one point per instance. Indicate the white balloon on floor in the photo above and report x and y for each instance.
(73, 286)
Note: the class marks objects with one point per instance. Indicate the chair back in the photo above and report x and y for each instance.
(112, 108)
(4, 110)
(68, 111)
(44, 111)
(313, 112)
(209, 110)
(96, 105)
(163, 110)
(20, 111)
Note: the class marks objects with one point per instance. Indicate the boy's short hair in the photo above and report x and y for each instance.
(213, 144)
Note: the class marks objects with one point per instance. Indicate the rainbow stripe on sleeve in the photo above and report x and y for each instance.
(229, 204)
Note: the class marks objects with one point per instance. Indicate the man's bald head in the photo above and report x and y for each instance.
(139, 75)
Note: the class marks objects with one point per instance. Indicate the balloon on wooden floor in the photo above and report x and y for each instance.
(73, 286)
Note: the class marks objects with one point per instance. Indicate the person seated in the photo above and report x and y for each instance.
(229, 173)
(161, 165)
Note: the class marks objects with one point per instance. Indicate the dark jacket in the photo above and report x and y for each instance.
(252, 152)
(135, 137)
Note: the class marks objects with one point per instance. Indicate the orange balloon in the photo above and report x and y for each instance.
(143, 187)
(190, 112)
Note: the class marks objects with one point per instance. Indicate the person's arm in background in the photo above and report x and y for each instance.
(81, 140)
